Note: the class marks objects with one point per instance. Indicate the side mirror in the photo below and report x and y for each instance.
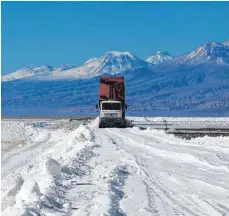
(96, 106)
(125, 106)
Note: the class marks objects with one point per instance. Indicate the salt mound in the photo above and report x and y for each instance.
(95, 123)
(9, 198)
(29, 195)
(52, 167)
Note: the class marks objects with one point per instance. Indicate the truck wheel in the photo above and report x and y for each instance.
(101, 126)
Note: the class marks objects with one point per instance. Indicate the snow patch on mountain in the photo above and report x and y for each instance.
(90, 60)
(65, 67)
(226, 43)
(159, 57)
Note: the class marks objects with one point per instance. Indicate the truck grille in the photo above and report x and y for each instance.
(110, 114)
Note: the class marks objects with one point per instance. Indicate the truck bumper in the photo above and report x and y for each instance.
(106, 122)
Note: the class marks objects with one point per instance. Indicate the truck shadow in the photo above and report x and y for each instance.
(128, 124)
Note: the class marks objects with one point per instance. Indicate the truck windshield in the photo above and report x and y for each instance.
(111, 106)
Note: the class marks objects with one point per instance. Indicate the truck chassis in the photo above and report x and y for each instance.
(106, 122)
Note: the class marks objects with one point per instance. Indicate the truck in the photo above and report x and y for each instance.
(111, 104)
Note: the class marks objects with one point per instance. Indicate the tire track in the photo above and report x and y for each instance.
(161, 200)
(157, 205)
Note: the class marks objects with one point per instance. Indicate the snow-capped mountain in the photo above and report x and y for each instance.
(110, 63)
(209, 52)
(37, 72)
(159, 57)
(28, 72)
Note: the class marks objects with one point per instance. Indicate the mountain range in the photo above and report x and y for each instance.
(193, 84)
(111, 63)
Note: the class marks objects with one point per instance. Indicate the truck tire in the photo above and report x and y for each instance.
(122, 126)
(101, 125)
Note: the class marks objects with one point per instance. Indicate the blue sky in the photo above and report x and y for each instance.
(55, 33)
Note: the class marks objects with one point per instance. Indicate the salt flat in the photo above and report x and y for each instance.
(74, 168)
